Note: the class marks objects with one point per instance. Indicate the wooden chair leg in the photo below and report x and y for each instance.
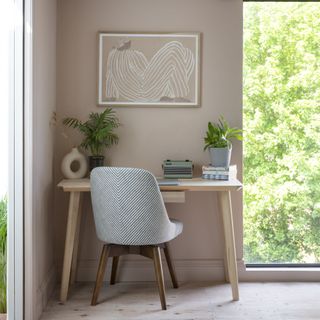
(115, 262)
(100, 274)
(166, 250)
(159, 275)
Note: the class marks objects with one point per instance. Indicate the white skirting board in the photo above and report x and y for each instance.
(143, 270)
(45, 291)
(187, 270)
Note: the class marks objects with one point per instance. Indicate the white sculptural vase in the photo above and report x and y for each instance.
(69, 159)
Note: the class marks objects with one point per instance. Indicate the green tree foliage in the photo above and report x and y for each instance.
(282, 132)
(3, 255)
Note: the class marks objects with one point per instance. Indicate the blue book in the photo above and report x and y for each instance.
(215, 176)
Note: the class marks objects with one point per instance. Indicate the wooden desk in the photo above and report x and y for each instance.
(77, 186)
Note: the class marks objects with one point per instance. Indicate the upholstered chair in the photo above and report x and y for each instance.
(131, 218)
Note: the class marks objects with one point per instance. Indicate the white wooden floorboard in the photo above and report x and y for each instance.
(196, 301)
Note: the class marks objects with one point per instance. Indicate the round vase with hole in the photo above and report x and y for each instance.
(74, 165)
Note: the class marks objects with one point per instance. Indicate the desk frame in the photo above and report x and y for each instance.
(76, 187)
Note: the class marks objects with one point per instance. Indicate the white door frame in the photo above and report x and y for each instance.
(19, 161)
(16, 163)
(30, 291)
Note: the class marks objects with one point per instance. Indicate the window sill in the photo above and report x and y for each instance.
(282, 269)
(279, 274)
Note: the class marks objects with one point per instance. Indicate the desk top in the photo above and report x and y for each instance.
(194, 184)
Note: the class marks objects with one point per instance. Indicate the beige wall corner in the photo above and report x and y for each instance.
(40, 267)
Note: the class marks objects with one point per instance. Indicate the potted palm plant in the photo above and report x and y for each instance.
(98, 133)
(218, 142)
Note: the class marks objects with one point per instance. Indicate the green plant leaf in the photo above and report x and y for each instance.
(97, 130)
(3, 255)
(219, 135)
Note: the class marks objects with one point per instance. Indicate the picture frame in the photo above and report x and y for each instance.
(149, 69)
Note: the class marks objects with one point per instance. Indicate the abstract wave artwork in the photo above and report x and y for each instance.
(159, 70)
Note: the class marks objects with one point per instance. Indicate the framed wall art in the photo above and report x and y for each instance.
(146, 69)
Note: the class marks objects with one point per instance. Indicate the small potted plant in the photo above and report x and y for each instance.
(98, 134)
(218, 141)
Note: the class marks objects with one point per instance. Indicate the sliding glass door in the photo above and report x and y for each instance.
(11, 159)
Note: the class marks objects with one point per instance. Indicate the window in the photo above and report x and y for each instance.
(282, 132)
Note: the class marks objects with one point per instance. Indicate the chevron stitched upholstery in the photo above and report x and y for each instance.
(128, 207)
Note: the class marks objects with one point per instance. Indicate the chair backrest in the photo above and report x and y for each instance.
(128, 207)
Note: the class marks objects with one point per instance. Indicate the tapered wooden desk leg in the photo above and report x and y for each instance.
(73, 214)
(225, 258)
(76, 245)
(226, 208)
(226, 268)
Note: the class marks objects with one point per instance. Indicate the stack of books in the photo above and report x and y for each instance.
(219, 173)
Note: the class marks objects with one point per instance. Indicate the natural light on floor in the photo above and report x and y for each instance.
(282, 132)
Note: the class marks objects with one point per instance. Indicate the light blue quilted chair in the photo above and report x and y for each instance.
(131, 218)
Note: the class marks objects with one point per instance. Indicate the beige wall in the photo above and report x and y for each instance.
(44, 104)
(150, 135)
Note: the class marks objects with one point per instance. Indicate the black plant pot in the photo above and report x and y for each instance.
(96, 161)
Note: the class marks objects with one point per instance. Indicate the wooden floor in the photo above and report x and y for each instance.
(258, 301)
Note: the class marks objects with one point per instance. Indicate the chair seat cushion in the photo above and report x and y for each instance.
(179, 226)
